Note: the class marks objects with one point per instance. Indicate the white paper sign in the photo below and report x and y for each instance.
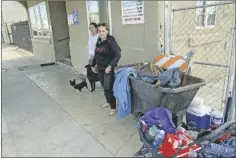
(70, 19)
(132, 12)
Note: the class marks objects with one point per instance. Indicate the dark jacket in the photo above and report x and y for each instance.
(106, 53)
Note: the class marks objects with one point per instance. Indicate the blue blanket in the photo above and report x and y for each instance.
(224, 149)
(169, 78)
(122, 91)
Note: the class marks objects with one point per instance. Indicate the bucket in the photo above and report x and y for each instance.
(217, 118)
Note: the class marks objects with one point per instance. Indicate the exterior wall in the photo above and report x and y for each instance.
(139, 41)
(57, 46)
(78, 35)
(43, 47)
(60, 30)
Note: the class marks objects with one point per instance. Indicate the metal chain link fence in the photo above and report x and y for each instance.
(209, 31)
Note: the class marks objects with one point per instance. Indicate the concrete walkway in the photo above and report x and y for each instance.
(43, 116)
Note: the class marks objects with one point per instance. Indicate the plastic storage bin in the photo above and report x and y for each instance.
(145, 96)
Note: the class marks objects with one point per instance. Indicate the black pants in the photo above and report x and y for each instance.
(107, 81)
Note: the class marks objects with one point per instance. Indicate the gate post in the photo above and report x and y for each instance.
(166, 51)
(171, 31)
(232, 57)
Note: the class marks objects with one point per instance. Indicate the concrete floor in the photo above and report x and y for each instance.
(43, 116)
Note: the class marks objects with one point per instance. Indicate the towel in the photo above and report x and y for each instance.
(122, 91)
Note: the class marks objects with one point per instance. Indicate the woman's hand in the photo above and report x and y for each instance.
(108, 69)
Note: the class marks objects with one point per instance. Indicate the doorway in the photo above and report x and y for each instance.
(99, 12)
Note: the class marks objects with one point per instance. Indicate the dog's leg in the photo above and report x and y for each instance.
(94, 85)
(91, 84)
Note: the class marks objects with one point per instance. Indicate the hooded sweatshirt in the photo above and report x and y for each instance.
(107, 53)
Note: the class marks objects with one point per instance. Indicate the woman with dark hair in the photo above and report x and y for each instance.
(93, 37)
(107, 56)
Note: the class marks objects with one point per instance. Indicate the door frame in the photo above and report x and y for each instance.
(109, 16)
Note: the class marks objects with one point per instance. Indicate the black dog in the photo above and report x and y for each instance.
(81, 85)
(72, 83)
(92, 77)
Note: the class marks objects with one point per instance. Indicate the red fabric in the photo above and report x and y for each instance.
(173, 142)
(224, 137)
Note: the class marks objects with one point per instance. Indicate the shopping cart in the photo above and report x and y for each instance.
(147, 148)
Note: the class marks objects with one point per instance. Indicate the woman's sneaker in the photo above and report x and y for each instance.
(105, 105)
(112, 112)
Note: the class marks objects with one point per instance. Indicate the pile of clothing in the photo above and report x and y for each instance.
(149, 73)
(224, 149)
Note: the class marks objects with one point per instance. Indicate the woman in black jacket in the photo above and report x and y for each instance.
(107, 55)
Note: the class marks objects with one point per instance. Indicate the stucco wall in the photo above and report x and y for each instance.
(78, 35)
(60, 29)
(43, 47)
(10, 9)
(138, 41)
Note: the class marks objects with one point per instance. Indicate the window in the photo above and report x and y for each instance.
(206, 16)
(39, 20)
(93, 11)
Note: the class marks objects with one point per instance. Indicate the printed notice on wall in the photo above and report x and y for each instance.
(70, 19)
(75, 17)
(132, 12)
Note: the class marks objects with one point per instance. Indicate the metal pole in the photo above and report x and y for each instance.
(233, 105)
(166, 51)
(109, 16)
(203, 6)
(172, 32)
(227, 93)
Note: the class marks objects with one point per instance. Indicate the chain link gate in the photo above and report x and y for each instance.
(208, 29)
(21, 35)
